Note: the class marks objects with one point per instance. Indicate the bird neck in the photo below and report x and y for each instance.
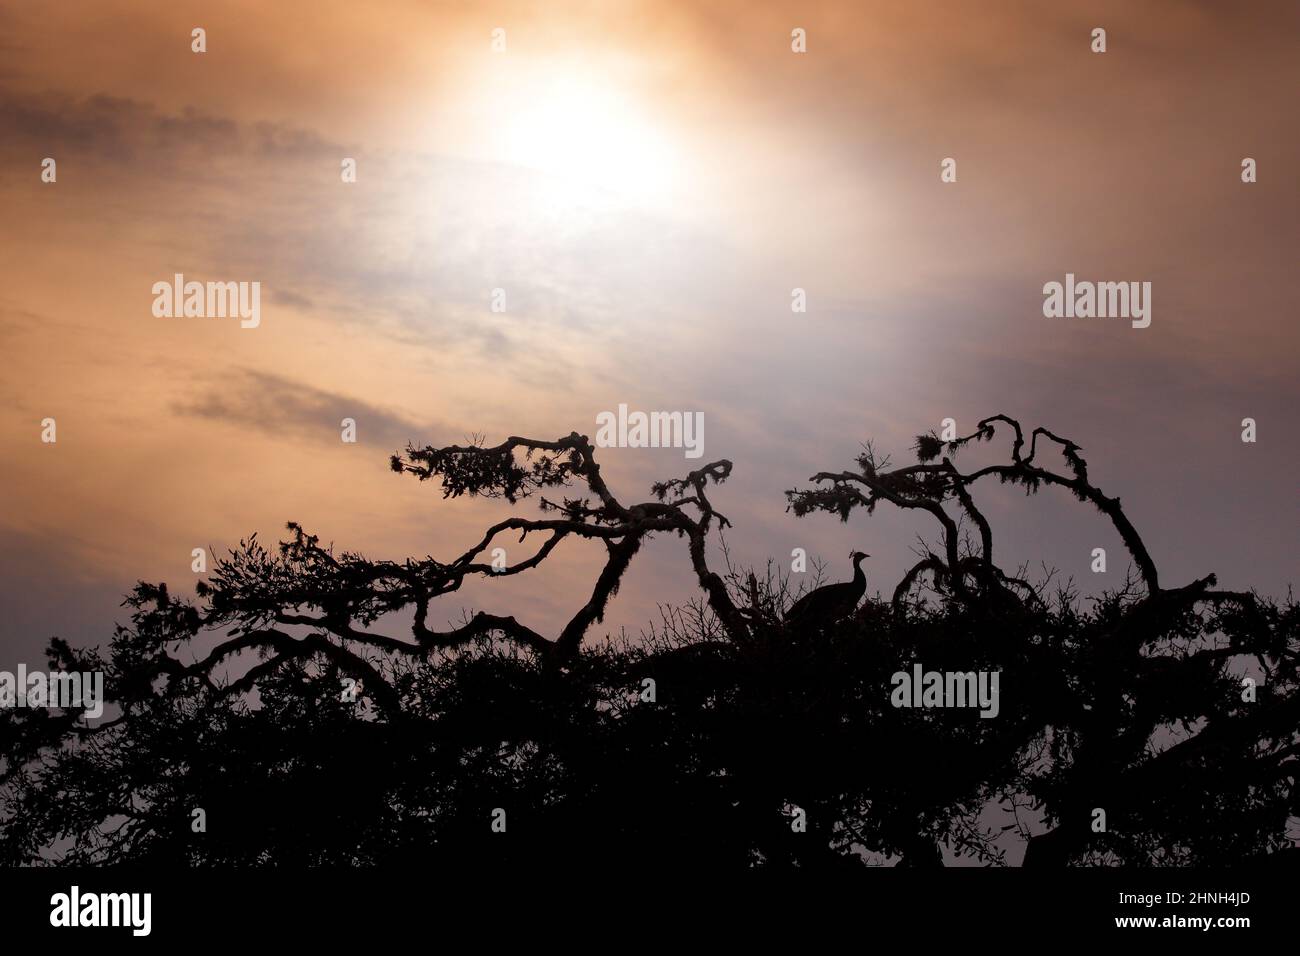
(859, 576)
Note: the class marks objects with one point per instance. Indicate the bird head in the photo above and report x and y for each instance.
(858, 556)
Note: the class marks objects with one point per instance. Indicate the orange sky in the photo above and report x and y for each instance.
(647, 182)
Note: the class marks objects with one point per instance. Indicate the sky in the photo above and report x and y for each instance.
(646, 183)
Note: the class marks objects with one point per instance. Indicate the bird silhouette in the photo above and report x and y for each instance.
(831, 602)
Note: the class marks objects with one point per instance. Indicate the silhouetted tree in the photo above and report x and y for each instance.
(724, 737)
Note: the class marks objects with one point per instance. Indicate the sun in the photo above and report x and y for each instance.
(592, 141)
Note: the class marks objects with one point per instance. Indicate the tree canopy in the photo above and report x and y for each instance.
(724, 736)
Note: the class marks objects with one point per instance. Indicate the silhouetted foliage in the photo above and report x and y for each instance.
(1133, 705)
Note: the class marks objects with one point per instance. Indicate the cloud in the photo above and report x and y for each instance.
(293, 410)
(101, 127)
(413, 251)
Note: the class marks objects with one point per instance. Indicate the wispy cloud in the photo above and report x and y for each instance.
(295, 411)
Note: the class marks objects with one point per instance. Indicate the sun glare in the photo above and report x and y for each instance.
(593, 143)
